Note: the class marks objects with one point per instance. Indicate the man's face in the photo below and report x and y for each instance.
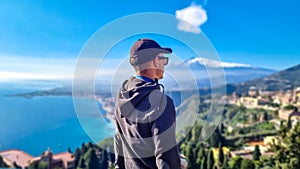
(161, 61)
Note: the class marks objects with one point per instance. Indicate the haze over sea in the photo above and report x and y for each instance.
(34, 124)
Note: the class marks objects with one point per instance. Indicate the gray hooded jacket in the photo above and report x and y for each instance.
(145, 127)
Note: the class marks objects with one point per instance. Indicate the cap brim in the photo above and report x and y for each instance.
(166, 50)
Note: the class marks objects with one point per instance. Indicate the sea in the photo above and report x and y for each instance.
(36, 124)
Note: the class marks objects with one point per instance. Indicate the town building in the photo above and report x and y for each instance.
(294, 114)
(253, 91)
(63, 160)
(10, 156)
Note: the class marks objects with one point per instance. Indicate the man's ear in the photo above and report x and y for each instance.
(155, 61)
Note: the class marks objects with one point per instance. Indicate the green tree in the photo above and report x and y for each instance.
(216, 138)
(247, 164)
(69, 150)
(225, 162)
(196, 132)
(267, 161)
(283, 130)
(91, 159)
(39, 164)
(200, 155)
(289, 123)
(235, 162)
(222, 128)
(256, 153)
(43, 165)
(210, 160)
(90, 145)
(34, 165)
(190, 156)
(289, 107)
(104, 160)
(287, 154)
(111, 157)
(81, 164)
(220, 156)
(265, 116)
(203, 163)
(84, 148)
(254, 117)
(77, 156)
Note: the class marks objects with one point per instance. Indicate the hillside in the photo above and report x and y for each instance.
(282, 80)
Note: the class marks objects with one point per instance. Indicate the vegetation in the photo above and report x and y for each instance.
(287, 153)
(256, 153)
(41, 164)
(91, 156)
(246, 124)
(247, 164)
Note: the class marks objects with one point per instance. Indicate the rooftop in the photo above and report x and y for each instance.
(20, 157)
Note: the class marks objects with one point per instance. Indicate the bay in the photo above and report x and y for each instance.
(33, 125)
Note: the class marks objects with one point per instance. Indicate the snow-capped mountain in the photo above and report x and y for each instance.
(204, 69)
(199, 61)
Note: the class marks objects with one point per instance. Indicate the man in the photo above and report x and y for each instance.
(145, 117)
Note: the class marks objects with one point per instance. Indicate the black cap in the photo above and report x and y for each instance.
(145, 50)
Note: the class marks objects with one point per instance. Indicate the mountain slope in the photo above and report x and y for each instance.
(283, 80)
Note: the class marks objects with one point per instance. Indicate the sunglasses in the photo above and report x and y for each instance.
(164, 59)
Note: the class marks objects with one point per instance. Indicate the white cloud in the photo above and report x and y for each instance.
(191, 18)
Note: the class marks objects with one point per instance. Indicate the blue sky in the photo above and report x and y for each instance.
(262, 33)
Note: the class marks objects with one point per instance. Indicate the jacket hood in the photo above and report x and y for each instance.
(137, 95)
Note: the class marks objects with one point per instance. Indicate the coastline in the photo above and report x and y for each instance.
(107, 103)
(107, 106)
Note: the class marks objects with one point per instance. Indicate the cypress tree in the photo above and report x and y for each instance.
(222, 128)
(190, 154)
(90, 145)
(77, 156)
(91, 159)
(210, 160)
(69, 150)
(84, 149)
(81, 164)
(265, 116)
(254, 117)
(203, 163)
(256, 153)
(195, 132)
(200, 155)
(216, 138)
(111, 157)
(220, 156)
(225, 163)
(104, 160)
(289, 123)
